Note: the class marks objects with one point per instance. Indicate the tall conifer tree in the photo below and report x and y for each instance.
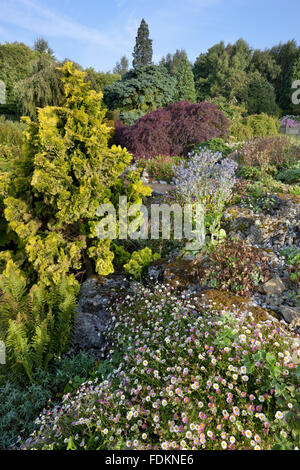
(143, 52)
(185, 80)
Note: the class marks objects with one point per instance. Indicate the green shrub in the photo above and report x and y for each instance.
(11, 132)
(258, 197)
(249, 172)
(229, 108)
(259, 95)
(139, 260)
(291, 175)
(215, 145)
(292, 256)
(161, 168)
(10, 143)
(238, 131)
(142, 88)
(129, 118)
(65, 172)
(190, 379)
(262, 125)
(256, 125)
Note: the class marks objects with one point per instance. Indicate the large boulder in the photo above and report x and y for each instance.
(93, 316)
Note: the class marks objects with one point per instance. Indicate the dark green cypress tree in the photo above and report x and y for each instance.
(142, 54)
(185, 80)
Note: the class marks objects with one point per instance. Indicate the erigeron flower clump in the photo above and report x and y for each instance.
(188, 380)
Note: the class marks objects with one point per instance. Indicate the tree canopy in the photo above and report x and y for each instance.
(142, 88)
(16, 61)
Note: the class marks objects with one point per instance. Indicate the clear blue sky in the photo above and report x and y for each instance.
(98, 32)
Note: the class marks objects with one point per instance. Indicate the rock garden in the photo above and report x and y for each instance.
(146, 342)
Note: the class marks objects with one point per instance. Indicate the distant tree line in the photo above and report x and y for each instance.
(259, 80)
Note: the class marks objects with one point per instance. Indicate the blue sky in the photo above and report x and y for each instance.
(98, 32)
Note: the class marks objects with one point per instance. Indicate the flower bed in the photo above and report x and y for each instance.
(188, 380)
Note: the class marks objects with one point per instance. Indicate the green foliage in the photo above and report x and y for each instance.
(291, 175)
(2, 92)
(142, 54)
(122, 256)
(161, 167)
(121, 67)
(294, 75)
(215, 145)
(99, 80)
(259, 96)
(10, 150)
(142, 89)
(130, 117)
(239, 131)
(171, 61)
(20, 405)
(222, 70)
(230, 109)
(11, 132)
(262, 125)
(185, 86)
(65, 172)
(264, 63)
(258, 198)
(36, 325)
(256, 125)
(42, 46)
(292, 257)
(284, 55)
(16, 60)
(43, 87)
(139, 261)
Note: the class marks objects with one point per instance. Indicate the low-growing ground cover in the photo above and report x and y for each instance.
(22, 401)
(189, 379)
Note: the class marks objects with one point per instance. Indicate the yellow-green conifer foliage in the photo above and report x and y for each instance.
(67, 169)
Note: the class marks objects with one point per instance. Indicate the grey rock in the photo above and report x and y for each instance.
(156, 270)
(274, 286)
(92, 315)
(290, 314)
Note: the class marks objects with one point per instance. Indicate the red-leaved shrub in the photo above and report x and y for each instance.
(172, 130)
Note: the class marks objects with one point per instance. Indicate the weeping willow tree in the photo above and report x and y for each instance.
(44, 87)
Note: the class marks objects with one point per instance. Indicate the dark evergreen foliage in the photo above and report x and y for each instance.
(143, 52)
